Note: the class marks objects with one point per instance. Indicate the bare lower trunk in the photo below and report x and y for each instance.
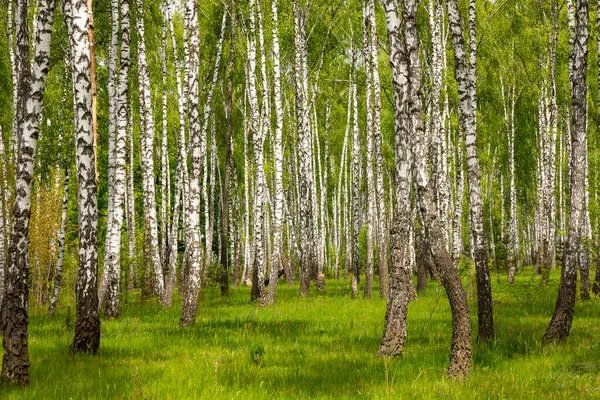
(560, 324)
(30, 92)
(194, 240)
(276, 257)
(465, 77)
(87, 322)
(308, 256)
(147, 161)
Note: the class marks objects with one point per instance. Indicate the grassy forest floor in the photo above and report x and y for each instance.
(324, 346)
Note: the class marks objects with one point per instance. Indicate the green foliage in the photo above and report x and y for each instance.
(257, 351)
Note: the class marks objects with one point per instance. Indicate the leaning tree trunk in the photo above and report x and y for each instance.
(194, 237)
(465, 78)
(15, 362)
(560, 324)
(87, 322)
(460, 350)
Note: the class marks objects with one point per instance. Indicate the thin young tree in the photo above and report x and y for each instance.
(276, 256)
(224, 256)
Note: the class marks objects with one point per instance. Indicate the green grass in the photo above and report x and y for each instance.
(323, 346)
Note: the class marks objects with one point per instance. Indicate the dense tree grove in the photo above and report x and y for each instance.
(164, 146)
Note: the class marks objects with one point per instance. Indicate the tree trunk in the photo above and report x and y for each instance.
(87, 322)
(61, 246)
(560, 324)
(30, 92)
(224, 275)
(460, 350)
(394, 336)
(147, 160)
(308, 256)
(465, 78)
(276, 257)
(194, 240)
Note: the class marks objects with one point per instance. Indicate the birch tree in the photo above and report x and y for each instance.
(465, 78)
(87, 323)
(308, 256)
(147, 160)
(276, 257)
(560, 324)
(193, 238)
(30, 94)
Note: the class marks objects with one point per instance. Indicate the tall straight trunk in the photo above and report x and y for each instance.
(30, 92)
(112, 261)
(460, 350)
(194, 237)
(259, 262)
(382, 234)
(308, 256)
(560, 324)
(112, 123)
(3, 217)
(437, 129)
(465, 78)
(181, 180)
(370, 211)
(87, 322)
(394, 335)
(12, 150)
(596, 284)
(224, 276)
(207, 117)
(164, 155)
(356, 219)
(457, 246)
(147, 160)
(277, 254)
(61, 246)
(513, 236)
(130, 204)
